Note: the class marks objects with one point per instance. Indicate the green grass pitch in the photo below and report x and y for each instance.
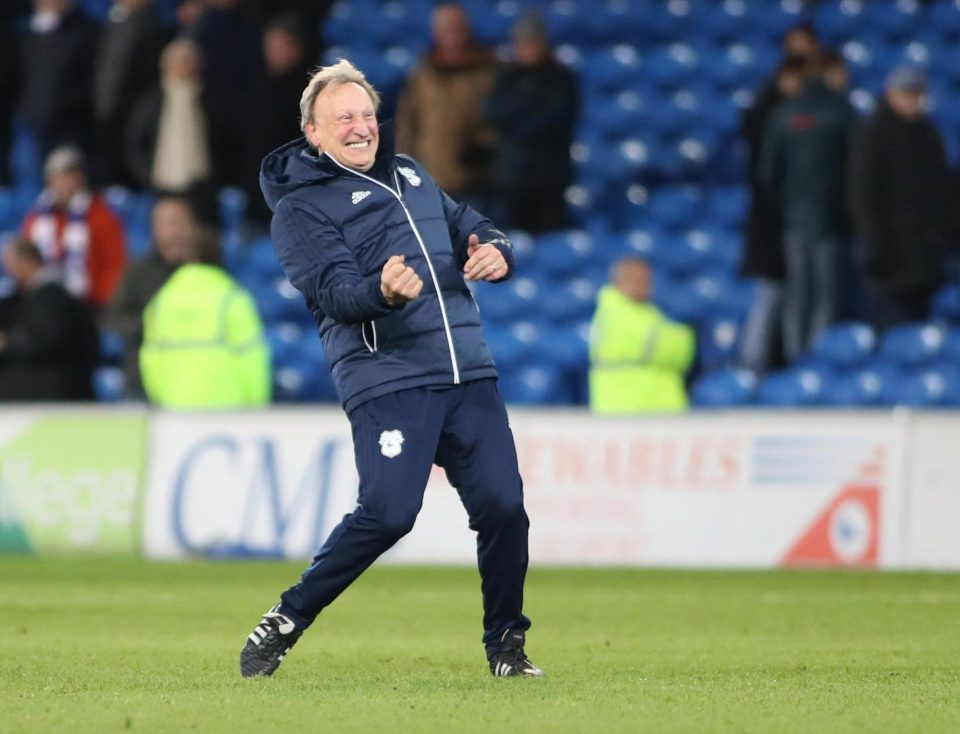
(107, 645)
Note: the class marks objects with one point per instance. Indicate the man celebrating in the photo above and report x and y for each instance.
(380, 254)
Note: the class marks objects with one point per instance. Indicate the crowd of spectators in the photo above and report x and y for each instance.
(848, 217)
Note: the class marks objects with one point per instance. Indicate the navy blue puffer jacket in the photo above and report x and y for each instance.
(334, 229)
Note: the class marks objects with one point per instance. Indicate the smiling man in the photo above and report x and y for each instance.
(380, 254)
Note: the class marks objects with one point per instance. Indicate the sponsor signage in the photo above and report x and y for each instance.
(71, 481)
(692, 491)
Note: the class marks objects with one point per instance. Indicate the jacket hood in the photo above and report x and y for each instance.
(297, 164)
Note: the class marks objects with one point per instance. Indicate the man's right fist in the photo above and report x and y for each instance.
(399, 283)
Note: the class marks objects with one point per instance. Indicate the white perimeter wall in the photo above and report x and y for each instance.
(725, 489)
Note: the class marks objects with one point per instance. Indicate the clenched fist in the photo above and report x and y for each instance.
(399, 283)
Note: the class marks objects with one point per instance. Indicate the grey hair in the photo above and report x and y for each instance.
(342, 72)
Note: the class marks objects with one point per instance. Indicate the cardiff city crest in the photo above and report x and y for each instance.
(391, 443)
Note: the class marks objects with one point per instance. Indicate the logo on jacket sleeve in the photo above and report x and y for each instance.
(359, 196)
(410, 175)
(391, 443)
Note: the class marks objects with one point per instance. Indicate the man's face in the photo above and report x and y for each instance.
(63, 185)
(906, 103)
(345, 126)
(281, 51)
(837, 78)
(181, 64)
(635, 281)
(451, 28)
(789, 84)
(174, 231)
(799, 43)
(530, 51)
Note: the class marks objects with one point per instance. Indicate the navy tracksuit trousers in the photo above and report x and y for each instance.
(397, 438)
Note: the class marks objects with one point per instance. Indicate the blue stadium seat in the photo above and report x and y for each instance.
(567, 347)
(286, 341)
(913, 345)
(717, 340)
(864, 388)
(945, 17)
(672, 66)
(567, 301)
(724, 389)
(111, 347)
(258, 264)
(536, 385)
(564, 253)
(951, 346)
(676, 206)
(108, 384)
(727, 206)
(233, 206)
(931, 387)
(793, 388)
(507, 302)
(614, 68)
(895, 20)
(845, 346)
(838, 20)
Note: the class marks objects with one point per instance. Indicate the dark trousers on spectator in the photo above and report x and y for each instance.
(811, 294)
(892, 308)
(397, 438)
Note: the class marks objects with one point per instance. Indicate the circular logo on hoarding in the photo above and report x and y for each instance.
(850, 530)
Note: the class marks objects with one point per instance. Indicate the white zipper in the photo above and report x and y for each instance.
(372, 348)
(426, 255)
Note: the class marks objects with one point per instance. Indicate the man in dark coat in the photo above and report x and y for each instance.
(803, 164)
(126, 66)
(57, 61)
(900, 200)
(269, 122)
(533, 106)
(48, 342)
(763, 233)
(380, 254)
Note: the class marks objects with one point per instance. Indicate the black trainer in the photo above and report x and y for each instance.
(267, 644)
(512, 660)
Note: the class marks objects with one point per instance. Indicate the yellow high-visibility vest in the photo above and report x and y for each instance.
(203, 343)
(637, 357)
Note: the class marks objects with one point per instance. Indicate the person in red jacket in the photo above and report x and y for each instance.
(80, 238)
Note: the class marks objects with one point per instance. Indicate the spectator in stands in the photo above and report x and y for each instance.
(803, 164)
(269, 123)
(440, 119)
(230, 45)
(533, 106)
(168, 137)
(203, 342)
(48, 339)
(638, 357)
(80, 238)
(175, 240)
(126, 68)
(57, 60)
(900, 199)
(763, 235)
(310, 14)
(188, 15)
(800, 42)
(834, 71)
